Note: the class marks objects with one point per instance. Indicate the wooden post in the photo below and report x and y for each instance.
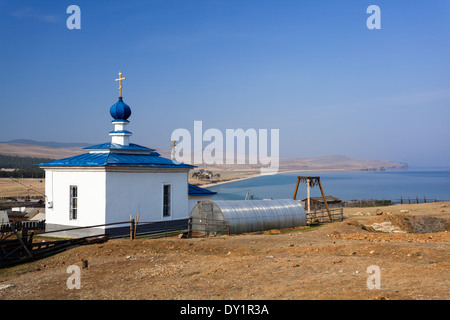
(325, 200)
(190, 227)
(135, 226)
(296, 189)
(84, 264)
(24, 245)
(308, 195)
(131, 228)
(24, 232)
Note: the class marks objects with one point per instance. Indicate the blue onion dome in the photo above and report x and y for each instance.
(120, 110)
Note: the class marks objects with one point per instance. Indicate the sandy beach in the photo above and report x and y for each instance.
(228, 181)
(205, 184)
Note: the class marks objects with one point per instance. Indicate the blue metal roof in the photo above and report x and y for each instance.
(197, 191)
(121, 131)
(110, 159)
(116, 146)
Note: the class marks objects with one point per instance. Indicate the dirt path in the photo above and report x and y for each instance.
(326, 262)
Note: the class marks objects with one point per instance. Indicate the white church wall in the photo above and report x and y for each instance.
(90, 203)
(133, 193)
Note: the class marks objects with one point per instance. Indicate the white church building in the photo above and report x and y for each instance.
(117, 179)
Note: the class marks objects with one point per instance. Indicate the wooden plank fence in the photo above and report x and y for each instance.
(415, 200)
(321, 216)
(21, 225)
(385, 202)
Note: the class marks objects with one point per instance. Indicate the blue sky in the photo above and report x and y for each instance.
(311, 69)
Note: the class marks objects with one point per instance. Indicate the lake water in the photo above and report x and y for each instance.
(430, 183)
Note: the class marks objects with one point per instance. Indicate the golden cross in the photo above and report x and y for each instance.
(173, 150)
(120, 83)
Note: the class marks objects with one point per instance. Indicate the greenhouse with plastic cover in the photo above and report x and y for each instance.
(241, 216)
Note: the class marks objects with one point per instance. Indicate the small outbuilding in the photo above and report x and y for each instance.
(319, 203)
(197, 194)
(240, 216)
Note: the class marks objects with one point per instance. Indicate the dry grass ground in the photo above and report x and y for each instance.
(434, 209)
(325, 262)
(21, 187)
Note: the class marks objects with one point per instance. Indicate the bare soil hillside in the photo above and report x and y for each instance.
(323, 262)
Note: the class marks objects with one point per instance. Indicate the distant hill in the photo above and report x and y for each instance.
(59, 150)
(49, 143)
(323, 163)
(38, 151)
(338, 162)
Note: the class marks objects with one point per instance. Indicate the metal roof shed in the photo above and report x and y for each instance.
(240, 216)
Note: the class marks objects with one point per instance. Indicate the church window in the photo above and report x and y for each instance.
(73, 202)
(166, 200)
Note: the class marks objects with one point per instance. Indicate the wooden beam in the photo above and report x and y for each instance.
(296, 188)
(131, 228)
(325, 200)
(135, 226)
(308, 195)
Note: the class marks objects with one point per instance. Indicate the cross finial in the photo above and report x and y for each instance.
(120, 83)
(173, 145)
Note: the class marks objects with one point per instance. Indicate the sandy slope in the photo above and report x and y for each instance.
(326, 262)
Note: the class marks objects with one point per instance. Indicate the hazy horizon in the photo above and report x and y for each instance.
(70, 145)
